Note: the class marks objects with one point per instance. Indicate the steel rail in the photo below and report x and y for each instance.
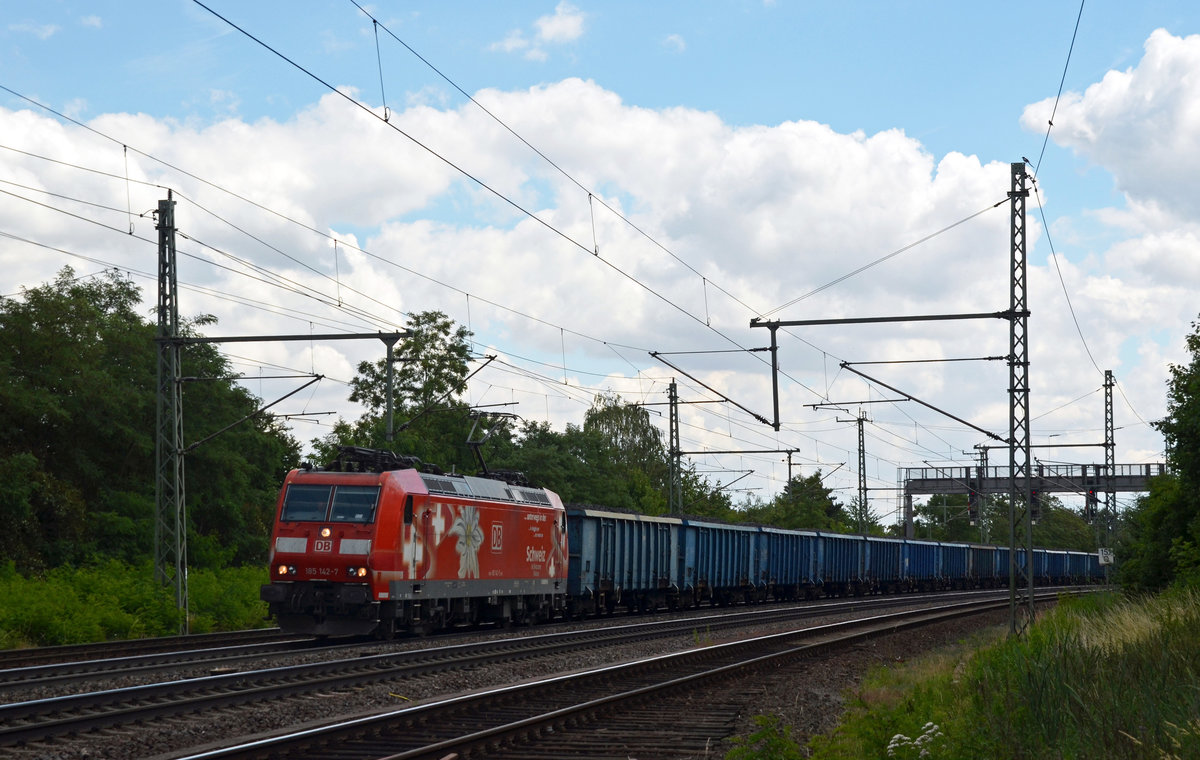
(543, 707)
(40, 719)
(14, 658)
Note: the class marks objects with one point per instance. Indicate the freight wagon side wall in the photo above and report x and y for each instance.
(843, 557)
(954, 562)
(921, 561)
(884, 559)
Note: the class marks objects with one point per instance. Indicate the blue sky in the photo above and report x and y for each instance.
(772, 146)
(951, 74)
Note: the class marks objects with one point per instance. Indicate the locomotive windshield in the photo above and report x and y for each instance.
(306, 503)
(354, 504)
(318, 503)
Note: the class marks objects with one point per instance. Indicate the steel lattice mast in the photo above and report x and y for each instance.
(1020, 496)
(675, 490)
(863, 513)
(170, 526)
(1110, 453)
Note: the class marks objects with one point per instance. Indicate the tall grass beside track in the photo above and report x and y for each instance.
(1098, 677)
(114, 600)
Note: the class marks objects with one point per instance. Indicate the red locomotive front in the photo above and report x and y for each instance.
(360, 552)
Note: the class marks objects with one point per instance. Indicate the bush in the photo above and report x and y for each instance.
(114, 600)
(227, 600)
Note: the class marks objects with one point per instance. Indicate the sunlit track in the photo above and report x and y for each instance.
(552, 717)
(37, 720)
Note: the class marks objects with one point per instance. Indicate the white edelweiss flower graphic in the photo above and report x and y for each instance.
(470, 538)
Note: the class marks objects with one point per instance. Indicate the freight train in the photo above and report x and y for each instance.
(376, 543)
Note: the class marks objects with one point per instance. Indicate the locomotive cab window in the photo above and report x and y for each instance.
(354, 504)
(305, 503)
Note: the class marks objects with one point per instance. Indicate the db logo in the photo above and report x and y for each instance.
(323, 545)
(497, 536)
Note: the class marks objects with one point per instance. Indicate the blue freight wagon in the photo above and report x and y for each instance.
(1040, 567)
(616, 558)
(922, 564)
(843, 563)
(954, 565)
(792, 563)
(984, 567)
(1077, 566)
(719, 562)
(884, 560)
(1056, 566)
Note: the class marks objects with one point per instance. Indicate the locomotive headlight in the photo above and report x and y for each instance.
(357, 572)
(326, 533)
(282, 570)
(362, 572)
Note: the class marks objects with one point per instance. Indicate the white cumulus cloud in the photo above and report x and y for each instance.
(1141, 124)
(565, 25)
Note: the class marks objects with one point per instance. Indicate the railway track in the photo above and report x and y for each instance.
(32, 723)
(105, 650)
(597, 713)
(76, 666)
(79, 672)
(39, 720)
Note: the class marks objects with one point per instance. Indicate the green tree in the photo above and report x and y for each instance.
(77, 423)
(1063, 528)
(701, 499)
(804, 504)
(548, 458)
(430, 422)
(430, 366)
(626, 454)
(944, 518)
(1162, 545)
(616, 458)
(76, 414)
(233, 478)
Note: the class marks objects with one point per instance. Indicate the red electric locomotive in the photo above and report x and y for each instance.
(373, 544)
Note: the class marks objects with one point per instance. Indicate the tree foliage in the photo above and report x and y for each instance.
(429, 421)
(804, 504)
(945, 518)
(1161, 544)
(430, 366)
(77, 424)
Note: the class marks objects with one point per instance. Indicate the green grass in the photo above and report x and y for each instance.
(1118, 678)
(114, 600)
(1101, 677)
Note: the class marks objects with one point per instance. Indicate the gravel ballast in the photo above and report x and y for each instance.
(809, 697)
